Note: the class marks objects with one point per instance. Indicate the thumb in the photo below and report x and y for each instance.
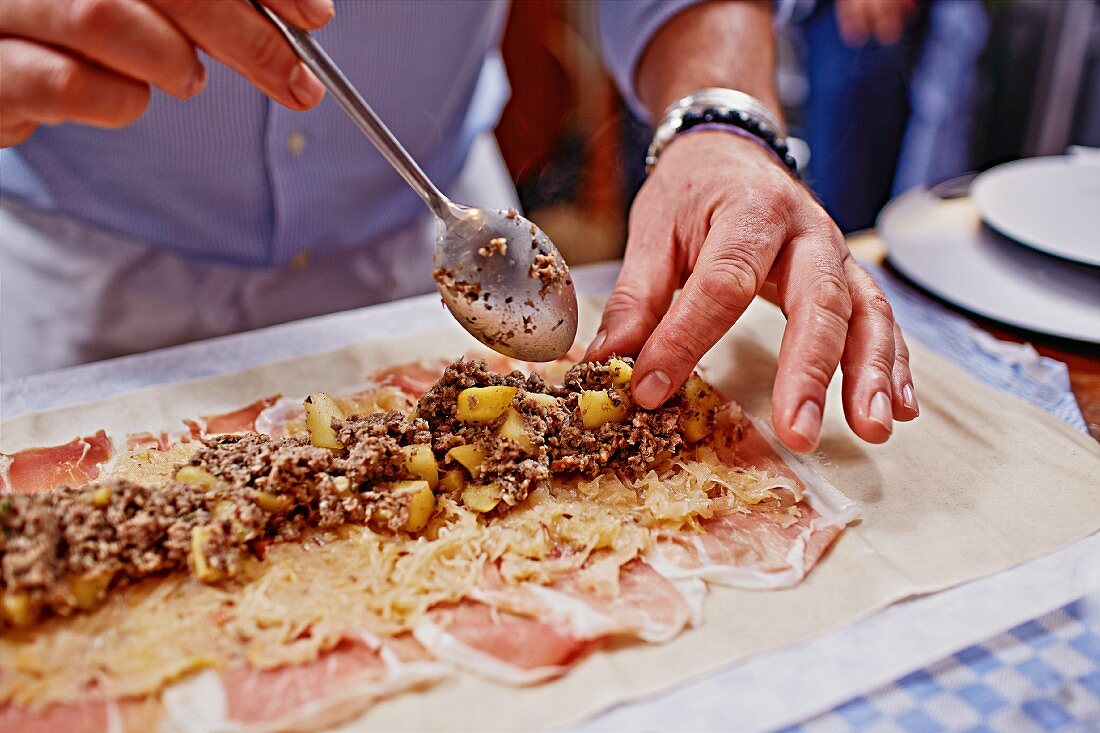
(643, 291)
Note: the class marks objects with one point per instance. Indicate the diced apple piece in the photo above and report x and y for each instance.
(17, 608)
(481, 497)
(321, 410)
(271, 503)
(420, 462)
(203, 570)
(420, 502)
(224, 509)
(452, 481)
(200, 476)
(701, 400)
(542, 400)
(88, 590)
(514, 429)
(483, 404)
(620, 372)
(469, 456)
(101, 497)
(599, 406)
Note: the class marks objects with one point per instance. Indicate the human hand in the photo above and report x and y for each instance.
(883, 19)
(724, 221)
(93, 61)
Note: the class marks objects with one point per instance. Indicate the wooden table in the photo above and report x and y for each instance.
(1082, 360)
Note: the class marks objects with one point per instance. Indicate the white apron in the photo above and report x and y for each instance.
(72, 293)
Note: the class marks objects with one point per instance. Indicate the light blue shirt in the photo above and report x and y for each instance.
(232, 177)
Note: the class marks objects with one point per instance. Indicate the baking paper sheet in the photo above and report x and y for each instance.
(980, 483)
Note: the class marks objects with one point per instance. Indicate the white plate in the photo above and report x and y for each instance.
(942, 246)
(1051, 204)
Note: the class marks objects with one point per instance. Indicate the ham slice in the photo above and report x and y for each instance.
(37, 469)
(335, 687)
(240, 420)
(502, 647)
(272, 421)
(649, 606)
(758, 549)
(237, 421)
(94, 716)
(414, 378)
(148, 441)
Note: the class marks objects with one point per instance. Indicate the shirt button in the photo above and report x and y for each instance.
(296, 142)
(301, 260)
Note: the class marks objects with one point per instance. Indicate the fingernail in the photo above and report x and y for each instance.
(652, 389)
(305, 87)
(596, 345)
(909, 399)
(880, 411)
(807, 422)
(317, 11)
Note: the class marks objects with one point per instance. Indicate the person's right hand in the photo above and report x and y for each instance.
(93, 61)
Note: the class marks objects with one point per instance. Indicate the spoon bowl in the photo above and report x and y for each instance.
(505, 283)
(499, 275)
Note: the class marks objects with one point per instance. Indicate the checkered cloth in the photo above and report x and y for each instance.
(1043, 675)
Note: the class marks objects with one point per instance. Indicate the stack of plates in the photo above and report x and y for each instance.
(1023, 248)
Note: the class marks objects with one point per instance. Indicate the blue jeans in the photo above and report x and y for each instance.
(855, 117)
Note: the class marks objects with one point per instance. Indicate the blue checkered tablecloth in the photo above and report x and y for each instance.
(1043, 675)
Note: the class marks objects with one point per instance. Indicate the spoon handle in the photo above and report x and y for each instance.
(357, 108)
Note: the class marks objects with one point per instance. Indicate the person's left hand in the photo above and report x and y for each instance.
(723, 220)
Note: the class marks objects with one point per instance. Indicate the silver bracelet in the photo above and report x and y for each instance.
(715, 105)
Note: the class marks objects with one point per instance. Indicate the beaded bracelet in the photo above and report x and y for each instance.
(713, 119)
(728, 110)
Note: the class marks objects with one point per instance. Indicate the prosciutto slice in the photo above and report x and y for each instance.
(38, 469)
(415, 378)
(94, 716)
(237, 421)
(753, 549)
(336, 686)
(505, 648)
(648, 606)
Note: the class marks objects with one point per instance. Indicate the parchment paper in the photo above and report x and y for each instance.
(980, 483)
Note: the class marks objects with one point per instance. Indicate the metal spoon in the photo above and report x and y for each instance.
(499, 275)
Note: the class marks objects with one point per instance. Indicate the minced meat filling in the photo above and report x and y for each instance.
(61, 549)
(563, 445)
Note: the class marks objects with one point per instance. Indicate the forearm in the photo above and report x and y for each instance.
(723, 43)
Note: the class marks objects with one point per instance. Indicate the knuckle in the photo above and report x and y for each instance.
(730, 282)
(94, 15)
(268, 51)
(875, 301)
(626, 302)
(772, 201)
(818, 371)
(66, 81)
(685, 349)
(830, 291)
(901, 350)
(881, 361)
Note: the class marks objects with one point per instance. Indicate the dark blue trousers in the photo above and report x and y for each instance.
(855, 117)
